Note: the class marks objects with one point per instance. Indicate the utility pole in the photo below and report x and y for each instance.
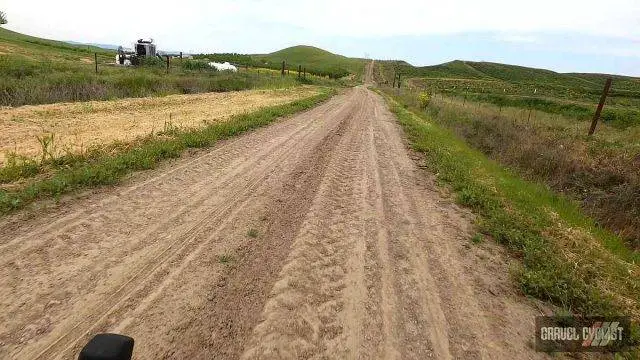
(603, 98)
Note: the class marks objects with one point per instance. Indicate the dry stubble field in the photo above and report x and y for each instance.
(77, 126)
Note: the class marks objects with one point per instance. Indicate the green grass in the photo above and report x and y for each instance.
(108, 165)
(58, 49)
(252, 233)
(477, 238)
(597, 171)
(226, 259)
(40, 71)
(134, 82)
(566, 258)
(570, 94)
(621, 117)
(24, 81)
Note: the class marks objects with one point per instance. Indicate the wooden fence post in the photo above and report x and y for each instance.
(603, 98)
(304, 73)
(167, 63)
(399, 81)
(282, 68)
(95, 56)
(299, 71)
(395, 76)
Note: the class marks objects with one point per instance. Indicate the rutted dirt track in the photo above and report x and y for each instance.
(357, 256)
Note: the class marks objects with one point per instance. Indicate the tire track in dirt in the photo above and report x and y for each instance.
(286, 147)
(305, 308)
(376, 269)
(259, 265)
(188, 170)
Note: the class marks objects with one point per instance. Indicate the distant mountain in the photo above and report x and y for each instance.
(102, 46)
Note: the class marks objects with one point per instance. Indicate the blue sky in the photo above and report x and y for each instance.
(566, 36)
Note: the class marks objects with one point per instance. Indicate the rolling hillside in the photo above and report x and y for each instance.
(42, 71)
(314, 59)
(571, 94)
(23, 55)
(459, 69)
(33, 48)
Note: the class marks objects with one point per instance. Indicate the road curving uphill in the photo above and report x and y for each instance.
(315, 237)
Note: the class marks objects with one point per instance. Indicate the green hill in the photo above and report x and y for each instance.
(521, 74)
(34, 48)
(569, 94)
(456, 69)
(622, 82)
(316, 60)
(511, 74)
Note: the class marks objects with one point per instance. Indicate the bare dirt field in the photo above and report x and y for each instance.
(317, 237)
(77, 126)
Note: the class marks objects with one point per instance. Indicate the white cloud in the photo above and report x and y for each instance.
(615, 17)
(517, 38)
(202, 24)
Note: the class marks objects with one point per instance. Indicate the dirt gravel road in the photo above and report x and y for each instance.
(317, 237)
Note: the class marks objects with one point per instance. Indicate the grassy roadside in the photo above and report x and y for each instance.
(29, 82)
(620, 117)
(600, 171)
(566, 259)
(108, 165)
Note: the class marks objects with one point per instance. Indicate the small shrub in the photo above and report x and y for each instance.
(423, 100)
(152, 61)
(476, 239)
(225, 259)
(197, 65)
(17, 167)
(252, 233)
